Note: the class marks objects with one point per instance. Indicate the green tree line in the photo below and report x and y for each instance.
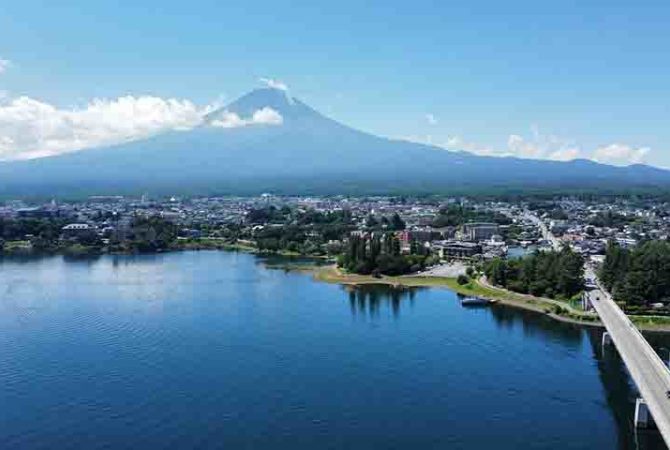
(638, 276)
(553, 274)
(381, 255)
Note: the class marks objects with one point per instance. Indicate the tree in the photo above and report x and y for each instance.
(379, 254)
(496, 271)
(397, 223)
(546, 274)
(640, 276)
(462, 280)
(151, 233)
(615, 266)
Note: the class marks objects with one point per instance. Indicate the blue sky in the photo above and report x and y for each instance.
(560, 80)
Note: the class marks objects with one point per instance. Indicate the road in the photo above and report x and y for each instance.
(649, 372)
(546, 234)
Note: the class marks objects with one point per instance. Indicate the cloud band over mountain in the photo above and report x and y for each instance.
(31, 128)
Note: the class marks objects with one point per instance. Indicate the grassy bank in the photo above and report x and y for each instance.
(238, 246)
(212, 244)
(651, 323)
(555, 309)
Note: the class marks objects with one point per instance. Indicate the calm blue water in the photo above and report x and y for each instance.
(214, 350)
(520, 252)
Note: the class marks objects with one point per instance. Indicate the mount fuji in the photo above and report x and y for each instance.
(298, 151)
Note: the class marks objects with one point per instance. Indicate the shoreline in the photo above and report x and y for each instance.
(554, 309)
(551, 308)
(183, 246)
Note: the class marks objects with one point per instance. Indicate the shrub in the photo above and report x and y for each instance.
(462, 280)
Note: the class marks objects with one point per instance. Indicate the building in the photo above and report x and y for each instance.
(457, 249)
(76, 230)
(446, 232)
(626, 242)
(34, 213)
(558, 227)
(480, 231)
(419, 234)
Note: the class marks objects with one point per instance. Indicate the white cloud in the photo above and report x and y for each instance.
(228, 119)
(4, 65)
(455, 143)
(458, 143)
(267, 116)
(432, 120)
(620, 154)
(31, 128)
(537, 146)
(541, 146)
(519, 146)
(416, 139)
(565, 154)
(263, 116)
(274, 84)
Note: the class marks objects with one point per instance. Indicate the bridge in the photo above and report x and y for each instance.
(649, 372)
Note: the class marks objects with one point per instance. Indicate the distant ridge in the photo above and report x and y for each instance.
(306, 153)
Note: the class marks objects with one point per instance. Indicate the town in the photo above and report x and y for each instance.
(536, 246)
(447, 228)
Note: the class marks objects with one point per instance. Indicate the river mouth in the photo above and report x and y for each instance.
(215, 348)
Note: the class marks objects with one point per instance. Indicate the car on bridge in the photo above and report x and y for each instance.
(590, 284)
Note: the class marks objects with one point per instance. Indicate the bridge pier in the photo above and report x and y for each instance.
(642, 417)
(607, 339)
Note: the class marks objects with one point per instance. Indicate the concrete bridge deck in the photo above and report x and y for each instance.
(649, 372)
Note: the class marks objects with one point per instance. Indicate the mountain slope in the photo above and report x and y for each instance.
(307, 152)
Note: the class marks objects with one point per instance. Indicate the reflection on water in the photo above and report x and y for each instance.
(619, 389)
(290, 263)
(621, 392)
(535, 325)
(83, 258)
(520, 252)
(369, 300)
(21, 258)
(210, 349)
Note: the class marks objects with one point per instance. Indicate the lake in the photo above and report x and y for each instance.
(516, 252)
(218, 350)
